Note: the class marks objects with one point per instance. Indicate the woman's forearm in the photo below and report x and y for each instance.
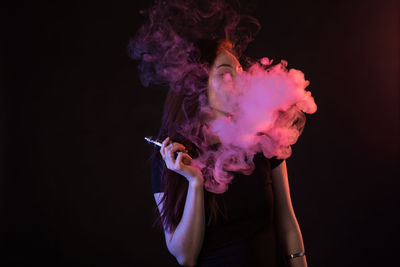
(292, 240)
(188, 236)
(294, 244)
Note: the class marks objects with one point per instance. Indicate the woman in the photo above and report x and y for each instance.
(251, 224)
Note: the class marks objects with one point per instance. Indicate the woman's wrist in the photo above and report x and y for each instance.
(196, 182)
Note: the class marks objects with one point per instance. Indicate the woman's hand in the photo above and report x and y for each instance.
(182, 162)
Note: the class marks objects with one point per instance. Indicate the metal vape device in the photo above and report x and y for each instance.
(150, 140)
(157, 143)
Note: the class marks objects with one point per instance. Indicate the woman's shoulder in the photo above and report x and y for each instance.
(261, 159)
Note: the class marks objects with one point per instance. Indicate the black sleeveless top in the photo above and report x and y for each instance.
(248, 236)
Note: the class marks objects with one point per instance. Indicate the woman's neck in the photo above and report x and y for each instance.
(220, 113)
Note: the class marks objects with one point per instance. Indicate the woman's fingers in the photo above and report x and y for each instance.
(182, 159)
(163, 145)
(167, 151)
(177, 163)
(186, 159)
(171, 149)
(174, 146)
(182, 163)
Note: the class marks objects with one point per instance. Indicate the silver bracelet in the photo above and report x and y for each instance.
(300, 254)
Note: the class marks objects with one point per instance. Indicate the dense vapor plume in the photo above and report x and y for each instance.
(267, 102)
(268, 107)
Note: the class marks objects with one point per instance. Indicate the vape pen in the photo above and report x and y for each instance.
(157, 143)
(150, 140)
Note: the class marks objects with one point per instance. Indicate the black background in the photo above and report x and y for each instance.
(76, 186)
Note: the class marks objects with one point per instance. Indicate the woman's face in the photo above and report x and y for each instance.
(223, 73)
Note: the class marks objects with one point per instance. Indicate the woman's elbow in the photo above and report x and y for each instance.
(186, 261)
(182, 258)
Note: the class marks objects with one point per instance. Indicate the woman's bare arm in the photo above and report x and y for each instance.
(289, 230)
(186, 240)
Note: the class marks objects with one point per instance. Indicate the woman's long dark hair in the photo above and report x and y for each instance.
(181, 109)
(176, 47)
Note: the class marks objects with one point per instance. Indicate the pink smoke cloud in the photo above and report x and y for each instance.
(267, 107)
(267, 104)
